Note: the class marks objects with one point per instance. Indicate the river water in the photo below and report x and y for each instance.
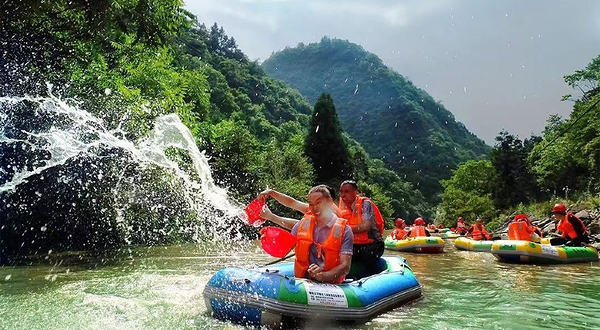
(161, 288)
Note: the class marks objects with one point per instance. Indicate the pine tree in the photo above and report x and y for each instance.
(325, 145)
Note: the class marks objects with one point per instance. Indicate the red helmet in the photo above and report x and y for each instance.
(400, 223)
(419, 222)
(521, 217)
(559, 208)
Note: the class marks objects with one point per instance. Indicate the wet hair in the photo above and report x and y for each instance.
(323, 189)
(350, 182)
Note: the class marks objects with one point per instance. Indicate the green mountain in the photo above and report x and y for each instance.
(394, 120)
(128, 65)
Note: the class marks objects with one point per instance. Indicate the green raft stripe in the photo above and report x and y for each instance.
(299, 297)
(351, 297)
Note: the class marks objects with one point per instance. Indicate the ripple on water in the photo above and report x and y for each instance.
(161, 288)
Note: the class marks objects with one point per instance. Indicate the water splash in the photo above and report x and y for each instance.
(61, 133)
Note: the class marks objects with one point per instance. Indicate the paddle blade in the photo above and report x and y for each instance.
(253, 212)
(276, 242)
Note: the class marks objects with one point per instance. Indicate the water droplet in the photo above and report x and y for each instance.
(43, 228)
(317, 130)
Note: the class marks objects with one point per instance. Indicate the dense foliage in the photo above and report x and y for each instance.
(563, 164)
(393, 119)
(127, 62)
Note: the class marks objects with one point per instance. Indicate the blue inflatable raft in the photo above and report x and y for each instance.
(270, 296)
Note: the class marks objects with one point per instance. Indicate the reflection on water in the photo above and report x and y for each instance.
(161, 288)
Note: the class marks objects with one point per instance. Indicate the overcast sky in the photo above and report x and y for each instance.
(494, 64)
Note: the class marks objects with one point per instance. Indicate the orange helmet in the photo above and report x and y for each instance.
(419, 222)
(559, 208)
(521, 217)
(400, 223)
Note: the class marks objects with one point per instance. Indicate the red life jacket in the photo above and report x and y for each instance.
(519, 230)
(355, 219)
(399, 233)
(478, 234)
(461, 227)
(331, 246)
(567, 229)
(417, 231)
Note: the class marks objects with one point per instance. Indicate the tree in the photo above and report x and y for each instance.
(325, 145)
(468, 192)
(513, 183)
(569, 157)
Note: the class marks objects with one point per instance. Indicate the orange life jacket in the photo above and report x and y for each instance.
(355, 218)
(331, 247)
(399, 233)
(478, 234)
(461, 227)
(417, 231)
(567, 229)
(519, 230)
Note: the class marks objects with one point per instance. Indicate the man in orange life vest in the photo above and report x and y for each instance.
(522, 229)
(418, 229)
(367, 225)
(478, 232)
(291, 203)
(324, 247)
(400, 231)
(571, 227)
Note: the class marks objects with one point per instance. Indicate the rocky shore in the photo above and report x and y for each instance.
(591, 219)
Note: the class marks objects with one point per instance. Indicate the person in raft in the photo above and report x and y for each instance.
(367, 225)
(570, 226)
(522, 229)
(291, 203)
(324, 248)
(400, 231)
(418, 229)
(432, 227)
(478, 232)
(461, 226)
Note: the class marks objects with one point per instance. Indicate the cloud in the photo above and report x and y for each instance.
(393, 14)
(243, 11)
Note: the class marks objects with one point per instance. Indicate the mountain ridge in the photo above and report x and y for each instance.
(396, 121)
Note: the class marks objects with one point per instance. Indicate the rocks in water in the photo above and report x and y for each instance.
(591, 219)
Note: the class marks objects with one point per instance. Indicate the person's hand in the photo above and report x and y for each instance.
(265, 194)
(315, 272)
(266, 213)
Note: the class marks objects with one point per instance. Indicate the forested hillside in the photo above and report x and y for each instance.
(394, 120)
(530, 175)
(127, 63)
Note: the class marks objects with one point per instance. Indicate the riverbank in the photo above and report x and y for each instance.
(591, 219)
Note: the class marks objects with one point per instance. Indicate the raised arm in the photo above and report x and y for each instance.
(284, 222)
(284, 200)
